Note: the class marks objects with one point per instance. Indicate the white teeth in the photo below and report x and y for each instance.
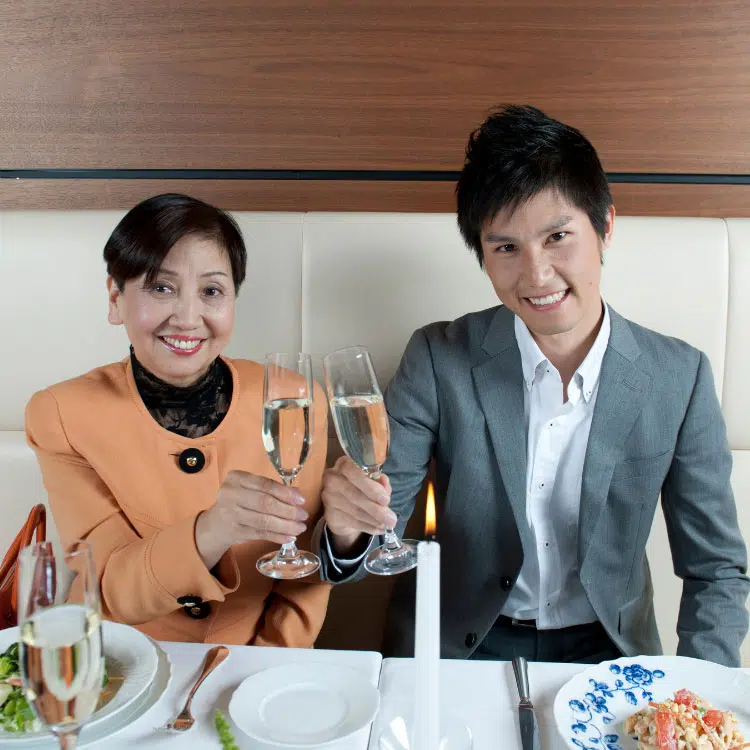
(181, 343)
(550, 299)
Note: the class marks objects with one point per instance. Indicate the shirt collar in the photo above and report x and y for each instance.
(531, 354)
(588, 371)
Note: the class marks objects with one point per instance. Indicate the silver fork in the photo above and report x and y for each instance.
(185, 720)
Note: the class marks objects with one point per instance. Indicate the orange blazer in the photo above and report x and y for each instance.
(113, 478)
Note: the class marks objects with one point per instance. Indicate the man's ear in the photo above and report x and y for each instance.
(114, 293)
(609, 228)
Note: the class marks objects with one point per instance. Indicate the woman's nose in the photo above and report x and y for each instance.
(187, 311)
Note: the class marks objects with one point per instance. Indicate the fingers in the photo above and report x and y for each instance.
(348, 508)
(253, 525)
(385, 482)
(348, 471)
(239, 502)
(343, 523)
(247, 481)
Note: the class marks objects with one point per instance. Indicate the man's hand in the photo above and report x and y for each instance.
(354, 504)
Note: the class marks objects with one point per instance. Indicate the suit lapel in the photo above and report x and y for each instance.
(623, 387)
(499, 385)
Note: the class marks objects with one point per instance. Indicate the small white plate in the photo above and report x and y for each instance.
(592, 706)
(304, 705)
(128, 653)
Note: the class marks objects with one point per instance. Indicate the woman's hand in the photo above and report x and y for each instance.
(249, 507)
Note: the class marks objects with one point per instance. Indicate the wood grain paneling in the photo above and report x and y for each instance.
(251, 195)
(658, 85)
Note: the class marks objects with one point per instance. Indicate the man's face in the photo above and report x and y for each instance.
(544, 261)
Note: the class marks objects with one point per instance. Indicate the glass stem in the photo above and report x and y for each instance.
(390, 540)
(288, 551)
(68, 740)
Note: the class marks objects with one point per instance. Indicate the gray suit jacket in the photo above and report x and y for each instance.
(657, 428)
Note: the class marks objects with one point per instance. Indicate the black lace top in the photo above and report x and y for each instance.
(192, 411)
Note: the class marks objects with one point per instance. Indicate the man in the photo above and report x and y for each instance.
(555, 424)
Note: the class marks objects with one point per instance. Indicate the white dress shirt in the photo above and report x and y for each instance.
(548, 588)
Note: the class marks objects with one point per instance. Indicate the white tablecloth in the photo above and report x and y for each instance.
(482, 694)
(216, 691)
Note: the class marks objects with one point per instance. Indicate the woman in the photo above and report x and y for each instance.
(157, 460)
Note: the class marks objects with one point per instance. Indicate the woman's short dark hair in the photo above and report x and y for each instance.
(142, 240)
(516, 153)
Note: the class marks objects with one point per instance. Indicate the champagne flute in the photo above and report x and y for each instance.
(361, 422)
(61, 657)
(288, 412)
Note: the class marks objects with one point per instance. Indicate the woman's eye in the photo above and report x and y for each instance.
(557, 236)
(213, 291)
(161, 289)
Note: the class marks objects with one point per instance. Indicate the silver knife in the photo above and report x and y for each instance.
(526, 714)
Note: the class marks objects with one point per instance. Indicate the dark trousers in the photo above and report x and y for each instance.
(584, 644)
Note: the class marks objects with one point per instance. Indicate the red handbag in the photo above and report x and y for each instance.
(36, 523)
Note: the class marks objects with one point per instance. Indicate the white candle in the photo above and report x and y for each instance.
(426, 728)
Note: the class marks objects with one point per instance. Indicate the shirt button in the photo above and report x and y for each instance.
(470, 640)
(546, 545)
(540, 486)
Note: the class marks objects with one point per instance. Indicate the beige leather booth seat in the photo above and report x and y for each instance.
(321, 281)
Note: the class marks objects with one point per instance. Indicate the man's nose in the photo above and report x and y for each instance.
(537, 269)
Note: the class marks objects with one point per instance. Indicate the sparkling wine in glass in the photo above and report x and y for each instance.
(61, 657)
(361, 422)
(288, 429)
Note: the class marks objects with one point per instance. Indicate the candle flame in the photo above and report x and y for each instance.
(430, 523)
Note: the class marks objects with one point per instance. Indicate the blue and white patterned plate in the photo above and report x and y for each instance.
(591, 707)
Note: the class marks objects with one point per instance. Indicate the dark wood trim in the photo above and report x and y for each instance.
(725, 201)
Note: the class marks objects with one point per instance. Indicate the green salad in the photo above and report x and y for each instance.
(15, 713)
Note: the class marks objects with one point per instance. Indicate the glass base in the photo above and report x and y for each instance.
(397, 733)
(385, 562)
(274, 565)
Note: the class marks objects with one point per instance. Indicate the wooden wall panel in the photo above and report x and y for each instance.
(259, 195)
(658, 85)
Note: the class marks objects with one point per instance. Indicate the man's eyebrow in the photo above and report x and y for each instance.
(553, 227)
(494, 237)
(559, 224)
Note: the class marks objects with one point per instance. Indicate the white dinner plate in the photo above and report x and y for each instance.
(112, 724)
(591, 707)
(304, 705)
(128, 654)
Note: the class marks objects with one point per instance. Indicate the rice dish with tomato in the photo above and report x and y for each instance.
(685, 722)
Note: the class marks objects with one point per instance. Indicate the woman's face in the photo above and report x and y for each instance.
(183, 320)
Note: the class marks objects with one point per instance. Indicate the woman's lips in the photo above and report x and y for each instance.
(182, 346)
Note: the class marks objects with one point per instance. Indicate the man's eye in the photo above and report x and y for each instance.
(505, 248)
(557, 236)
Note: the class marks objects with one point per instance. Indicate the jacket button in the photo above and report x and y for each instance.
(191, 460)
(195, 607)
(506, 583)
(470, 640)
